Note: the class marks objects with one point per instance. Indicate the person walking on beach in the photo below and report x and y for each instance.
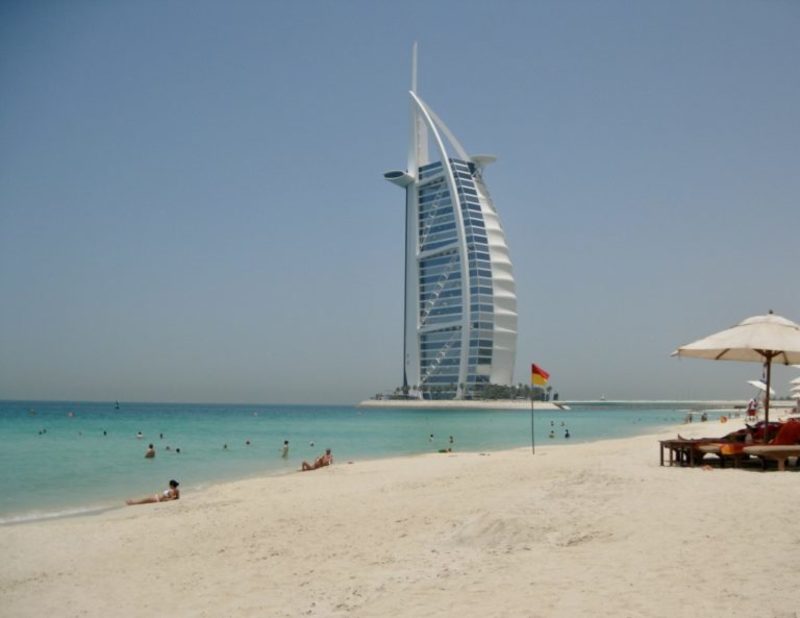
(150, 453)
(319, 462)
(173, 493)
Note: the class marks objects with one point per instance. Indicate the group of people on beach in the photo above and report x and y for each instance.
(173, 493)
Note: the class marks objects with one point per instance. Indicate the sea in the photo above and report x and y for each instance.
(61, 459)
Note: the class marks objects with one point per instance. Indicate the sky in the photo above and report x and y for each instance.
(192, 205)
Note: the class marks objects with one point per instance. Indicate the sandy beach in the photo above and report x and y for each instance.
(594, 529)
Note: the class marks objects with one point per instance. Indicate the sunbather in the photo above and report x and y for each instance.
(319, 462)
(173, 493)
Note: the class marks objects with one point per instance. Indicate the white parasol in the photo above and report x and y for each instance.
(763, 339)
(762, 387)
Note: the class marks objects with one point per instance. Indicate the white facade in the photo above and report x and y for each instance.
(460, 329)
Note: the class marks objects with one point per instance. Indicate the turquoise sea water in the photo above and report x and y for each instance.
(56, 459)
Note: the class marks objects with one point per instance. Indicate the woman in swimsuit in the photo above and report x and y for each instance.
(173, 493)
(319, 462)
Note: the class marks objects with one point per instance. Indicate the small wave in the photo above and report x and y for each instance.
(25, 518)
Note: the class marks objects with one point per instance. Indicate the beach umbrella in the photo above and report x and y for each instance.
(762, 387)
(763, 339)
(795, 381)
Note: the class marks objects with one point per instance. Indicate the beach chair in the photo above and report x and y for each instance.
(785, 444)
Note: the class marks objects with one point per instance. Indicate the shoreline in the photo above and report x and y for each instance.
(565, 405)
(460, 404)
(596, 528)
(91, 508)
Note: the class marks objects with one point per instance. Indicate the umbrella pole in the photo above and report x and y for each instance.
(766, 400)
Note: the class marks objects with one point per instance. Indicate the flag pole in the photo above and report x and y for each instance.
(538, 376)
(533, 433)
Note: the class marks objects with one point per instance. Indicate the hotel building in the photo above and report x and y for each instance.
(460, 330)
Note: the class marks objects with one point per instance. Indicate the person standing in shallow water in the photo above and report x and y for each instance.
(285, 449)
(150, 453)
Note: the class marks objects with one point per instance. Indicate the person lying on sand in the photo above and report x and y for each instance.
(173, 493)
(319, 462)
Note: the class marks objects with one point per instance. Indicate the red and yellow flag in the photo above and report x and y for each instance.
(539, 376)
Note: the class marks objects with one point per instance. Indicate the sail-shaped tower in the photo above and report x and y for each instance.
(460, 330)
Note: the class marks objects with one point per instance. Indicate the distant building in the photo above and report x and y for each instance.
(460, 329)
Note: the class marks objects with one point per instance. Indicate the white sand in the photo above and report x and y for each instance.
(579, 530)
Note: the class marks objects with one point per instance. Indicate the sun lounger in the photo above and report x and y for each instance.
(732, 447)
(727, 452)
(682, 452)
(773, 452)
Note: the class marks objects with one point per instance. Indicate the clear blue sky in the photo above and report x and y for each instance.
(192, 205)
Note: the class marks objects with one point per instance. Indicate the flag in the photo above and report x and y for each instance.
(539, 376)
